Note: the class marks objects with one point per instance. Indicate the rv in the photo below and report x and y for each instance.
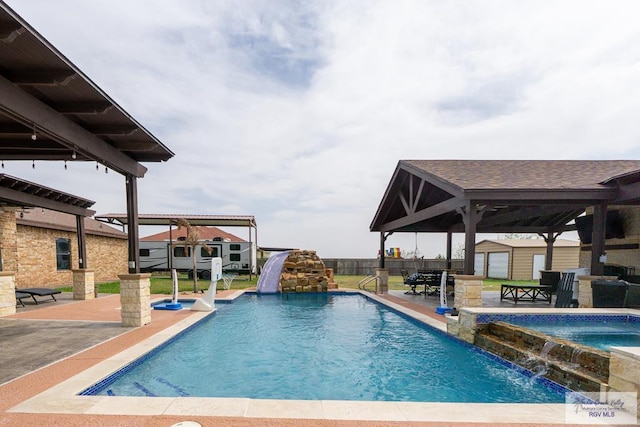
(237, 257)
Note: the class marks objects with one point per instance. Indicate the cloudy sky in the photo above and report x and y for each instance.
(297, 112)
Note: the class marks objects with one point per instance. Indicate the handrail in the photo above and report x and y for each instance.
(362, 284)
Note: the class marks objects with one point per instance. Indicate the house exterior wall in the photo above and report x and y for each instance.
(628, 257)
(37, 267)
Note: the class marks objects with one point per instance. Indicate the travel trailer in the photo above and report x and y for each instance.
(237, 257)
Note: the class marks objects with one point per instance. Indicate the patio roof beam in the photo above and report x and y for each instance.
(85, 108)
(430, 212)
(11, 31)
(525, 213)
(628, 193)
(42, 77)
(29, 110)
(17, 197)
(529, 196)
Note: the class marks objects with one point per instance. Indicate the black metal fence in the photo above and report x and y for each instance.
(366, 266)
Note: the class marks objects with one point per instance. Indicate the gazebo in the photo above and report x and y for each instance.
(505, 196)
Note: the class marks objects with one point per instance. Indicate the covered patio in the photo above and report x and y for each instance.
(543, 197)
(51, 111)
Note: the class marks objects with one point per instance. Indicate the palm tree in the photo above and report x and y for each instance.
(192, 241)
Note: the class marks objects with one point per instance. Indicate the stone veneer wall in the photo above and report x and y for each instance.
(36, 250)
(303, 271)
(624, 372)
(468, 291)
(573, 365)
(8, 239)
(7, 293)
(135, 299)
(624, 362)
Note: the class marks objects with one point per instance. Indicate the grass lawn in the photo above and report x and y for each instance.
(162, 284)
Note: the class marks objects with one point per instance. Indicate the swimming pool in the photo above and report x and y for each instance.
(599, 331)
(322, 347)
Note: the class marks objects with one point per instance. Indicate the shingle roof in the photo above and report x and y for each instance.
(526, 174)
(44, 218)
(521, 196)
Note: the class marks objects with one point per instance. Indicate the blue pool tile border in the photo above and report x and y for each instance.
(546, 318)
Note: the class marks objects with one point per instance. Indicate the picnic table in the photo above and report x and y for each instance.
(525, 293)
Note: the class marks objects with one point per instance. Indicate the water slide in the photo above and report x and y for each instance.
(207, 302)
(270, 276)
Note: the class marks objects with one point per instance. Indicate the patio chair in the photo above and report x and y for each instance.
(564, 292)
(410, 280)
(40, 292)
(20, 296)
(550, 278)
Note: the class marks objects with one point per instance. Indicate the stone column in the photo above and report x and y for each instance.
(382, 284)
(9, 239)
(7, 293)
(585, 299)
(468, 291)
(135, 299)
(624, 372)
(83, 284)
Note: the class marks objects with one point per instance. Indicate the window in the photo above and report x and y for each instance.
(205, 254)
(179, 252)
(63, 254)
(144, 252)
(234, 257)
(234, 247)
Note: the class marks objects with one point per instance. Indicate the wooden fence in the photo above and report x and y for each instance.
(367, 266)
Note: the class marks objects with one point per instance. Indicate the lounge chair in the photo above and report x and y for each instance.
(20, 296)
(564, 293)
(40, 292)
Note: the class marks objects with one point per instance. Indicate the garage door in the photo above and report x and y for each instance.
(498, 267)
(478, 265)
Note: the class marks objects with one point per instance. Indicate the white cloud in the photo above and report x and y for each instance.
(298, 112)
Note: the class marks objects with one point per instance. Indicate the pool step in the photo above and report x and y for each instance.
(577, 367)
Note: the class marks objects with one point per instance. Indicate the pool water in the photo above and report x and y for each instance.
(322, 347)
(598, 332)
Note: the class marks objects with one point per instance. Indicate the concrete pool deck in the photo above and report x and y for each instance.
(46, 395)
